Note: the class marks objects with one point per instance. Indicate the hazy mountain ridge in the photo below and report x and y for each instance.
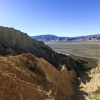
(17, 42)
(49, 38)
(57, 38)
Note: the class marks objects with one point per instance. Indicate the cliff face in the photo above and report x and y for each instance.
(49, 75)
(26, 77)
(18, 43)
(15, 38)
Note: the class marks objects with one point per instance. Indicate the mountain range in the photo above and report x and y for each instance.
(45, 38)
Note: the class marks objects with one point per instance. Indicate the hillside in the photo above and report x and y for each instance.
(26, 77)
(15, 42)
(31, 70)
(46, 38)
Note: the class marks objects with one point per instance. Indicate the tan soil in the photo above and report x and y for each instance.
(26, 77)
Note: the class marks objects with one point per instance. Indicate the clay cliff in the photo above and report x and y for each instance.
(16, 39)
(18, 42)
(31, 70)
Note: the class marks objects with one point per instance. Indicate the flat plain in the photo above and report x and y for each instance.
(81, 48)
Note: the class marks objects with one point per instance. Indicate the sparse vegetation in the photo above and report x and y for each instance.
(97, 94)
(84, 63)
(97, 91)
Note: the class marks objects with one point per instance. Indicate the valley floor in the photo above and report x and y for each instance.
(89, 49)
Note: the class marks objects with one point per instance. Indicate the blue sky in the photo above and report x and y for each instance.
(58, 17)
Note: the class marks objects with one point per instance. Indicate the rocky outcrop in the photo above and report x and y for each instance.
(26, 77)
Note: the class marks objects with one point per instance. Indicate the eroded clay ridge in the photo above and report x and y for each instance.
(26, 77)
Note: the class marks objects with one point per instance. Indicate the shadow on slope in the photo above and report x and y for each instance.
(84, 65)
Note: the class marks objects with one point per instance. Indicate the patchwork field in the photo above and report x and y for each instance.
(85, 49)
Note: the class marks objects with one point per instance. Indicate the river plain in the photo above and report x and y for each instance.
(89, 49)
